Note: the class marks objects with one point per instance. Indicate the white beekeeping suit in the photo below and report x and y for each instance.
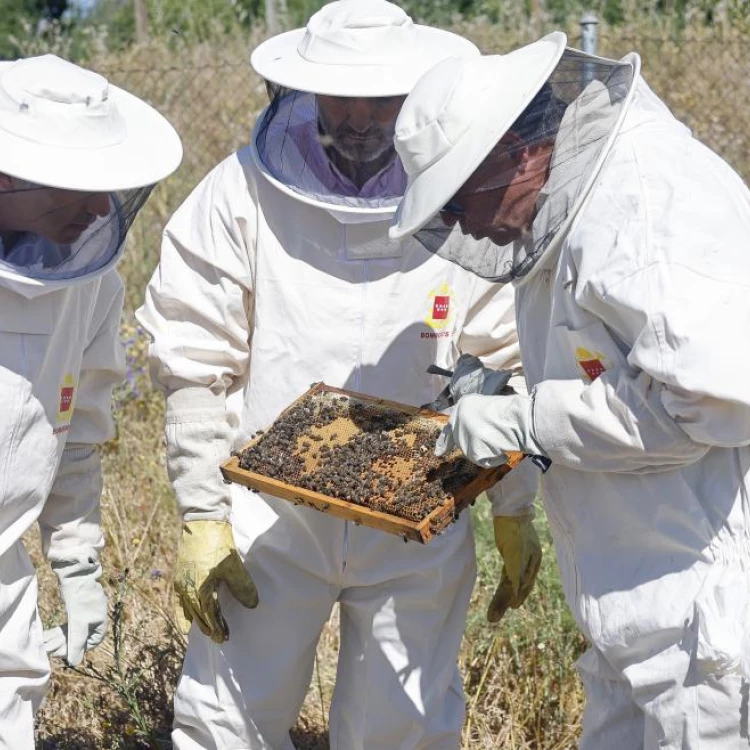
(632, 278)
(78, 158)
(277, 272)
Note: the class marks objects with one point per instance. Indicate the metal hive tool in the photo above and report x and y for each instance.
(364, 459)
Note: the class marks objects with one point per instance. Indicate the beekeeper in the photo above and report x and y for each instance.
(277, 272)
(626, 240)
(78, 158)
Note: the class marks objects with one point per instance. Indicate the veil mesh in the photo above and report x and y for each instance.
(295, 150)
(34, 256)
(574, 116)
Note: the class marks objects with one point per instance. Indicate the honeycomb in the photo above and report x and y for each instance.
(363, 451)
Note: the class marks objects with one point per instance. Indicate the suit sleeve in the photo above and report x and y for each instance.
(198, 312)
(673, 285)
(70, 520)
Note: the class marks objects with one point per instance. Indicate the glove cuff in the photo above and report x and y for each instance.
(527, 515)
(525, 421)
(189, 404)
(198, 438)
(536, 449)
(206, 539)
(515, 494)
(69, 522)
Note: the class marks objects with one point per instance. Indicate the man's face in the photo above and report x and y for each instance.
(360, 129)
(498, 201)
(58, 215)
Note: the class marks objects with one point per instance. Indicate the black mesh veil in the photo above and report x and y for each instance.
(525, 192)
(71, 234)
(305, 155)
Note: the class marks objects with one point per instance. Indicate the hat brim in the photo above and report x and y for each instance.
(278, 60)
(150, 151)
(500, 105)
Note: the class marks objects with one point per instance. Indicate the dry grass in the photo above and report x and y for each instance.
(521, 687)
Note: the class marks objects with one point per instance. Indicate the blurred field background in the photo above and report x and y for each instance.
(521, 687)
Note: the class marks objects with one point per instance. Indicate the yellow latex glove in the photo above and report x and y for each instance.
(207, 557)
(518, 544)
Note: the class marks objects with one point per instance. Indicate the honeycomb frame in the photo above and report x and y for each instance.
(384, 445)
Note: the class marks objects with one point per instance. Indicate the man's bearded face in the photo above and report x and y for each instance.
(360, 129)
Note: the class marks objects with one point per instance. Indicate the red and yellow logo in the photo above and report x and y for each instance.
(67, 398)
(440, 308)
(593, 364)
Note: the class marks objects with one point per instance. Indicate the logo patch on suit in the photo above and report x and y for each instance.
(593, 364)
(440, 308)
(67, 399)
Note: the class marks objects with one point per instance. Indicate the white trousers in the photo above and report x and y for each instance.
(403, 609)
(661, 703)
(24, 668)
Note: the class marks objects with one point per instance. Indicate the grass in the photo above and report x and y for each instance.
(521, 687)
(519, 677)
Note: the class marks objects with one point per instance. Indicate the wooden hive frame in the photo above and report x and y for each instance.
(422, 531)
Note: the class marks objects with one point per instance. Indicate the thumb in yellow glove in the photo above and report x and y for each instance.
(207, 557)
(518, 544)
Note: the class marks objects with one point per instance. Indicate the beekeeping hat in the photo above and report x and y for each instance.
(350, 50)
(66, 127)
(540, 119)
(362, 48)
(454, 117)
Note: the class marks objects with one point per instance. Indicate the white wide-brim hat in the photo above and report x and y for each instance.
(360, 48)
(67, 127)
(455, 115)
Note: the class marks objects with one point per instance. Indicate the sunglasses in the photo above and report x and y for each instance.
(453, 209)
